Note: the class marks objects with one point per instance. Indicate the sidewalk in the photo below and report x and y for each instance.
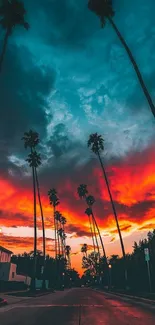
(11, 292)
(18, 296)
(135, 298)
(13, 299)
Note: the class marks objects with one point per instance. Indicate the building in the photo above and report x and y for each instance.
(5, 255)
(8, 269)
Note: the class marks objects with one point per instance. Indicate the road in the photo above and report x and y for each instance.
(79, 306)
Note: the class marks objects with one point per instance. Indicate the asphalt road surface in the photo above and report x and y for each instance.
(81, 306)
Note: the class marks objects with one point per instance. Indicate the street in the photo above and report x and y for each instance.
(79, 306)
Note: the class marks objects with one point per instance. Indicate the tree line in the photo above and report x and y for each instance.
(138, 277)
(24, 262)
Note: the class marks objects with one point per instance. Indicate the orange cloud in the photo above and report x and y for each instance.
(25, 243)
(132, 183)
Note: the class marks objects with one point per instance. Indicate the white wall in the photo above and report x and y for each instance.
(12, 274)
(23, 278)
(8, 273)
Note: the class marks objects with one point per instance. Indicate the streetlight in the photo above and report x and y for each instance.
(110, 267)
(63, 280)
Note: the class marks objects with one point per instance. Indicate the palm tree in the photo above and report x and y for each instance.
(82, 192)
(96, 143)
(31, 139)
(31, 161)
(61, 235)
(68, 250)
(63, 222)
(12, 14)
(84, 249)
(43, 225)
(52, 193)
(88, 212)
(58, 218)
(64, 244)
(104, 10)
(90, 201)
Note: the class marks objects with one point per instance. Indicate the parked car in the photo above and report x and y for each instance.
(3, 302)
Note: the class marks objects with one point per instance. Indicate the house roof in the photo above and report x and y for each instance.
(3, 249)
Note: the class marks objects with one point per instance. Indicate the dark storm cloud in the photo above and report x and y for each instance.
(24, 88)
(67, 22)
(135, 212)
(59, 141)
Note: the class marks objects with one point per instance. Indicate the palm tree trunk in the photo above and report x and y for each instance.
(58, 240)
(43, 228)
(115, 214)
(104, 253)
(63, 227)
(135, 66)
(91, 230)
(103, 249)
(62, 247)
(94, 231)
(69, 259)
(55, 232)
(4, 48)
(33, 281)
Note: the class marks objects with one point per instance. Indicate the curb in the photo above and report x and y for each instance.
(140, 299)
(41, 294)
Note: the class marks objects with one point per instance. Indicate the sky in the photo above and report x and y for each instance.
(67, 78)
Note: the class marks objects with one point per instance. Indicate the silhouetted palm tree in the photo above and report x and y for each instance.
(63, 222)
(12, 14)
(68, 251)
(31, 140)
(82, 192)
(88, 212)
(52, 193)
(84, 249)
(90, 201)
(104, 10)
(61, 235)
(43, 224)
(96, 143)
(58, 218)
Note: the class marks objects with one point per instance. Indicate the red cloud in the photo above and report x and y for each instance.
(132, 183)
